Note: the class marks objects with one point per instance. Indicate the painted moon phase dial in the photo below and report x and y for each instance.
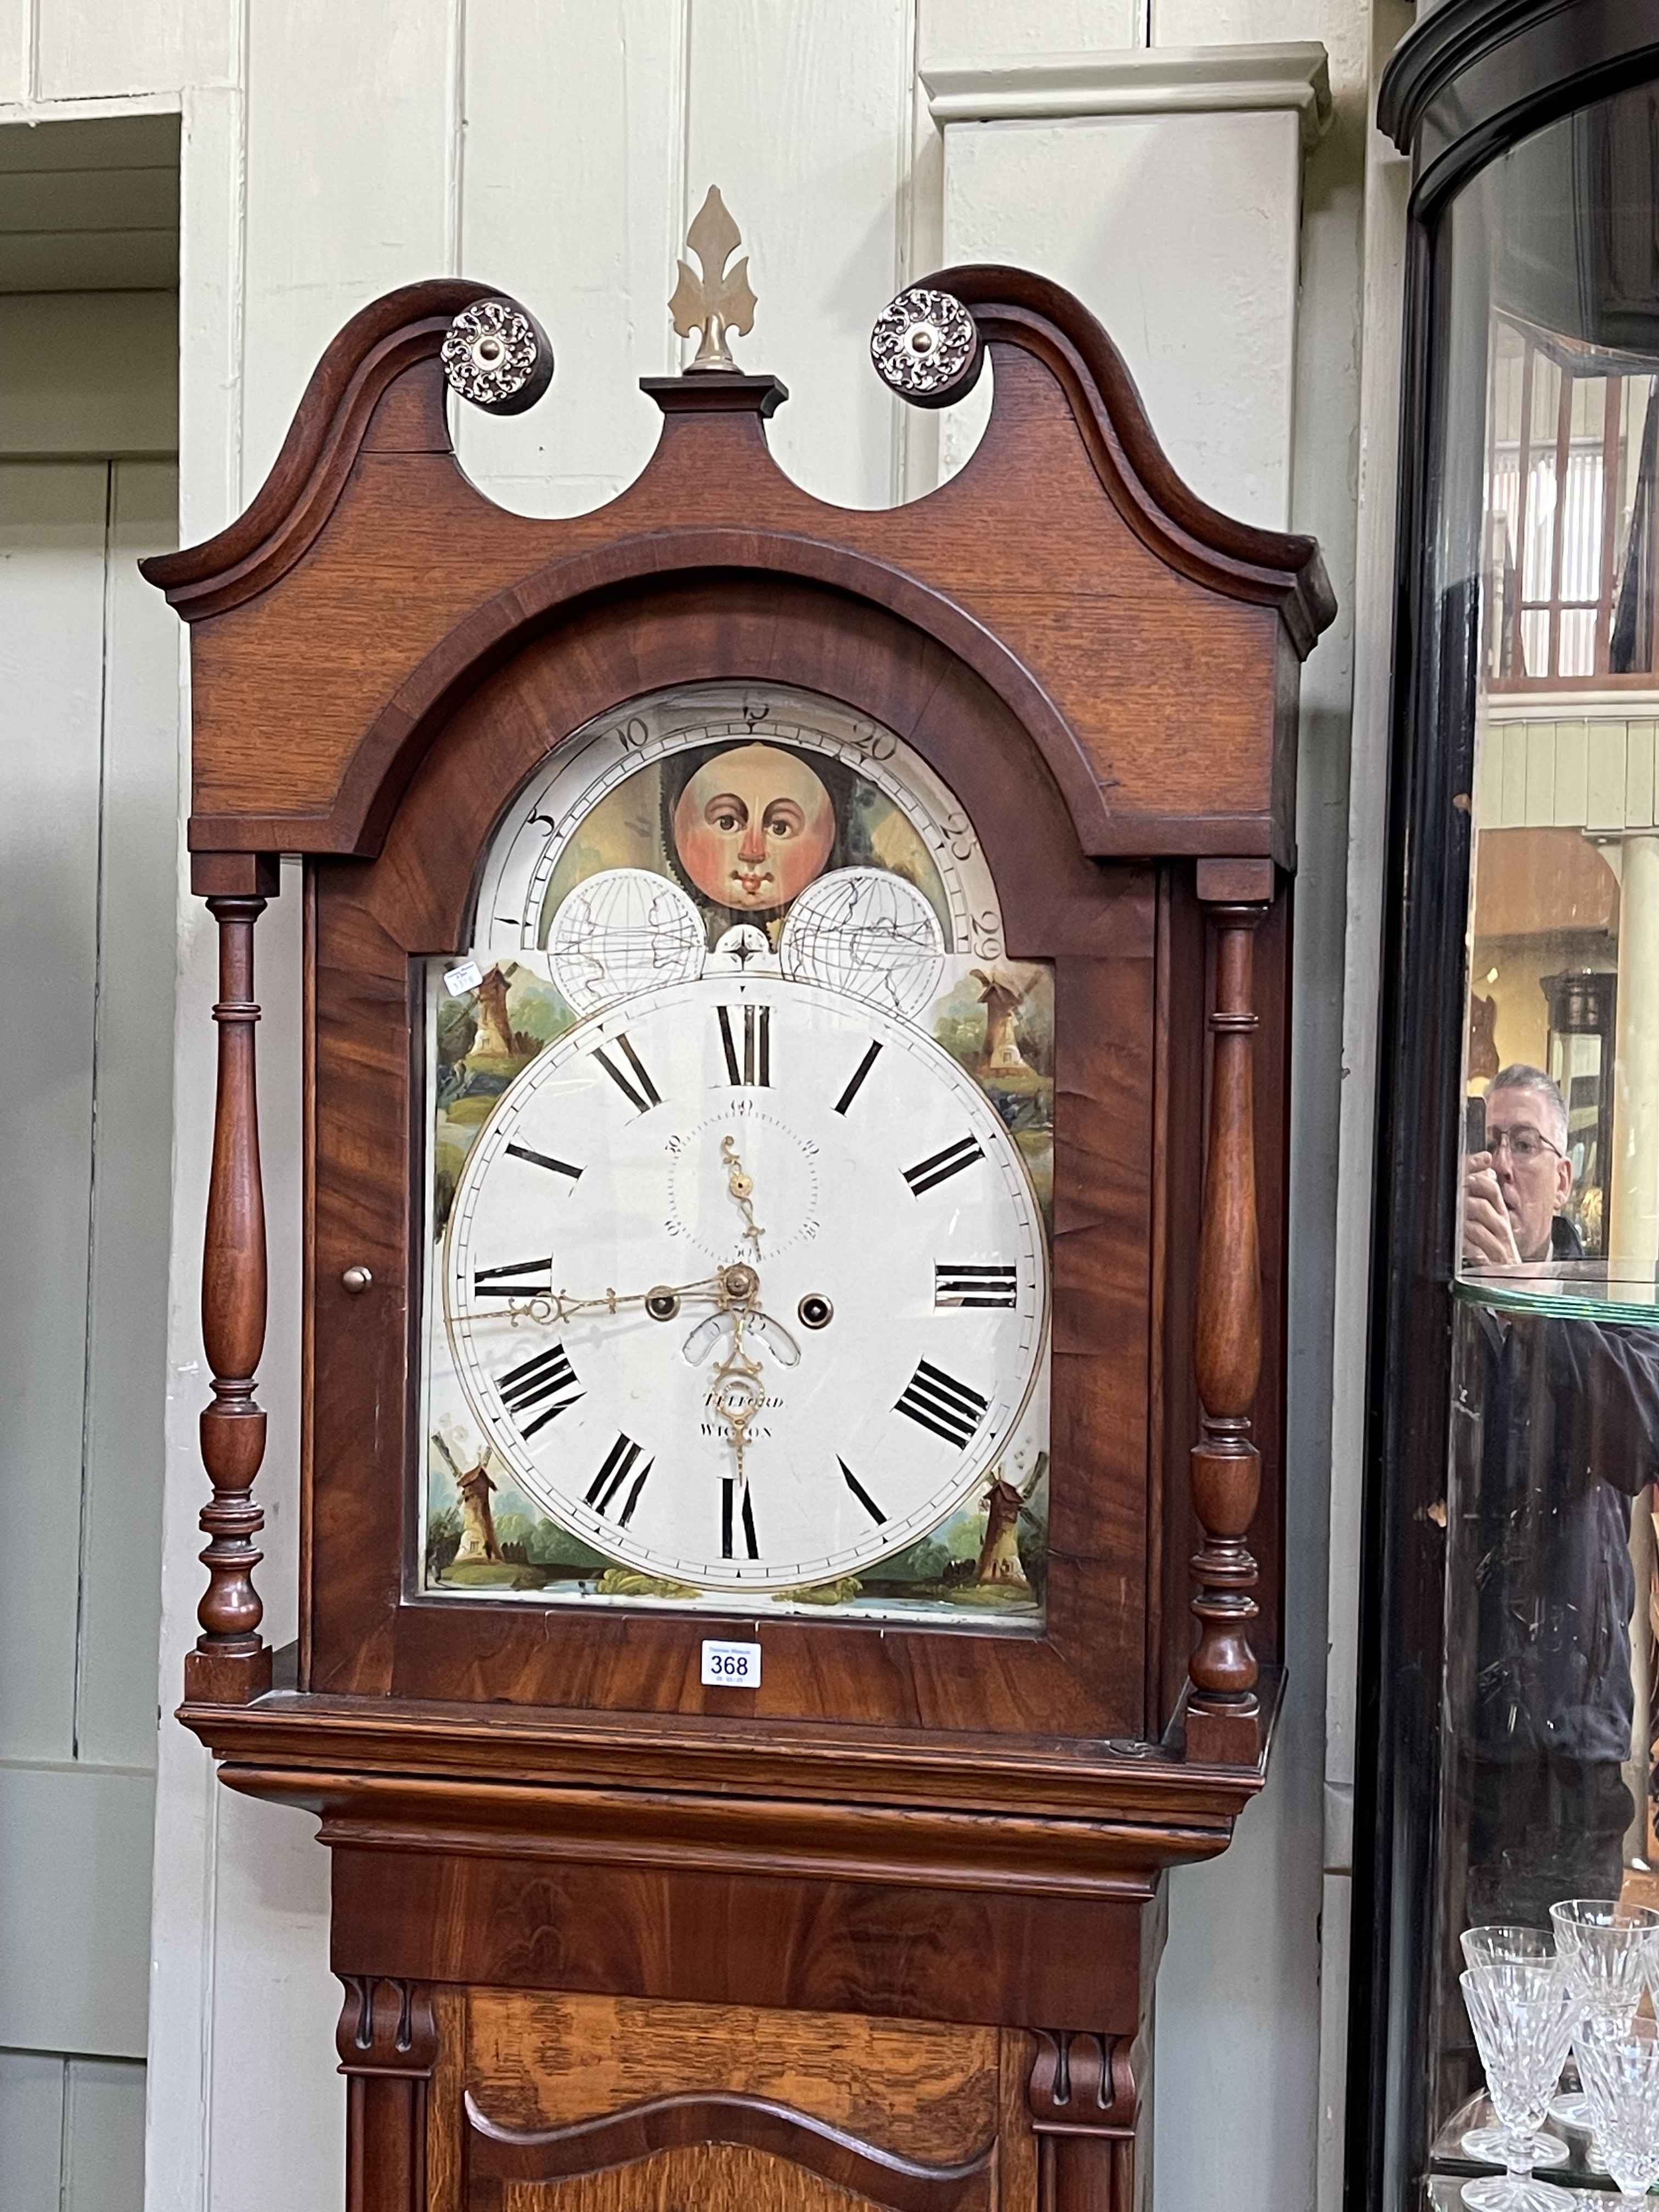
(749, 795)
(747, 1281)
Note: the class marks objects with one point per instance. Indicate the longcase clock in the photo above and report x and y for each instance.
(795, 1089)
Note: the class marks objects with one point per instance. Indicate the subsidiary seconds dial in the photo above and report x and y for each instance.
(747, 1282)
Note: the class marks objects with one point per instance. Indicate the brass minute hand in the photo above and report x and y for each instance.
(662, 1301)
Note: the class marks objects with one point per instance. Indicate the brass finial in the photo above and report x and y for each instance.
(719, 300)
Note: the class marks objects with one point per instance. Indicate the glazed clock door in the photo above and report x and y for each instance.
(697, 1077)
(741, 1156)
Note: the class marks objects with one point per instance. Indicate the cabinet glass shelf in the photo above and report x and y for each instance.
(1566, 1291)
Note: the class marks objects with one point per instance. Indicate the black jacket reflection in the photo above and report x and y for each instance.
(1568, 1417)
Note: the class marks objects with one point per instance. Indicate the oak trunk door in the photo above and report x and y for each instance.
(593, 2104)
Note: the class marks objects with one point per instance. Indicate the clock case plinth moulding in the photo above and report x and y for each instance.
(548, 1839)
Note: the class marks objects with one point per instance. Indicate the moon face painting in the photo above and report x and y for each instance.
(754, 826)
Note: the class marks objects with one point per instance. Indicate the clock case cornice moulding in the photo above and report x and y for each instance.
(1155, 81)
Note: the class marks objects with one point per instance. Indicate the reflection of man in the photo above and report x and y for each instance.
(1514, 1191)
(753, 827)
(1568, 1420)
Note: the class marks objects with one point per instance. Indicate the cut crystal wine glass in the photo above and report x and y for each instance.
(1508, 1944)
(1605, 1950)
(1502, 1944)
(1523, 2016)
(1619, 2069)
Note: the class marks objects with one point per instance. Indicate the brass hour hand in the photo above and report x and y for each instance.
(741, 1184)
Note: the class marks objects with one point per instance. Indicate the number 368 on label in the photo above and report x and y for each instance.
(731, 1666)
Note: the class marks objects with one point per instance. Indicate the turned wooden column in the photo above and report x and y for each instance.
(231, 1662)
(1084, 2100)
(1223, 1714)
(387, 2041)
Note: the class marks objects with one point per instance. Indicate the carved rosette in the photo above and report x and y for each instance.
(497, 356)
(925, 347)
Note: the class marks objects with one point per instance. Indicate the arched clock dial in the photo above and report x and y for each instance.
(746, 1283)
(811, 788)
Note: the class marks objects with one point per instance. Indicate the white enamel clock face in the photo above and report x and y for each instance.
(747, 1282)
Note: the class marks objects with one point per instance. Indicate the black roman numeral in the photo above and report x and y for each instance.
(549, 1376)
(942, 1165)
(518, 1279)
(618, 1466)
(646, 1096)
(543, 1160)
(860, 1491)
(974, 1285)
(728, 1487)
(858, 1074)
(756, 1066)
(938, 1401)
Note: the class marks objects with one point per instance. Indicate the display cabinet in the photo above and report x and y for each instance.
(1514, 1431)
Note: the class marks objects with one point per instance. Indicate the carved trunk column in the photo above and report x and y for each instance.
(231, 1662)
(1084, 2100)
(387, 2041)
(1223, 1712)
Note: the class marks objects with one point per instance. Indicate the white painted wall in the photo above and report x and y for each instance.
(1269, 2112)
(1358, 929)
(88, 814)
(1250, 362)
(558, 148)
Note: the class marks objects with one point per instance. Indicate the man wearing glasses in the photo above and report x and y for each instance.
(1556, 1429)
(1514, 1191)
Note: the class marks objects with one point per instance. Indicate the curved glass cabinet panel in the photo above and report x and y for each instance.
(1509, 1668)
